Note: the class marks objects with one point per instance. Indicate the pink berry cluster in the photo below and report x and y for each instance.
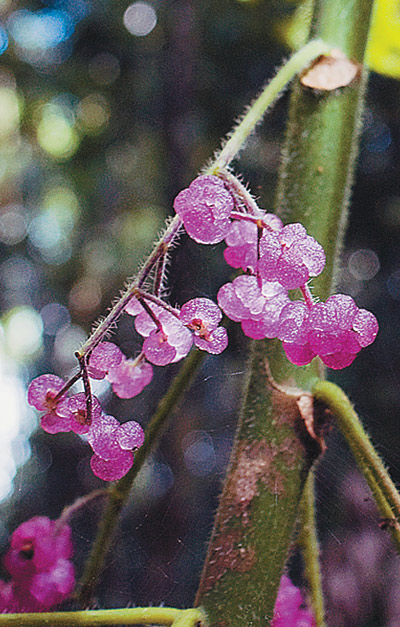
(276, 259)
(112, 443)
(38, 560)
(169, 334)
(290, 609)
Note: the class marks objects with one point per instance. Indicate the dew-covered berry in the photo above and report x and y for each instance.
(290, 256)
(202, 316)
(104, 356)
(204, 208)
(130, 377)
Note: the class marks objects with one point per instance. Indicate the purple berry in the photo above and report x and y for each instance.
(290, 256)
(130, 377)
(202, 315)
(103, 357)
(38, 561)
(204, 208)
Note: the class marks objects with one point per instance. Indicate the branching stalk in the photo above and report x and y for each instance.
(382, 487)
(119, 492)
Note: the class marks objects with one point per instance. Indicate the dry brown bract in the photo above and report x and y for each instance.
(330, 72)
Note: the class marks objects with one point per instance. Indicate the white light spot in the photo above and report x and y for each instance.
(140, 18)
(23, 328)
(364, 264)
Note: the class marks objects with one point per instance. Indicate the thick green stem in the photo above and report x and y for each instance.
(128, 616)
(308, 541)
(119, 492)
(259, 504)
(382, 487)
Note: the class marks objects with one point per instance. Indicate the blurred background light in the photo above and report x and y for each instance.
(55, 317)
(199, 454)
(67, 340)
(10, 106)
(93, 113)
(393, 285)
(56, 134)
(41, 29)
(16, 425)
(3, 39)
(140, 18)
(12, 225)
(364, 264)
(23, 329)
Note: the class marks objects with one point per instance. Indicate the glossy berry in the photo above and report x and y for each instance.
(290, 256)
(202, 316)
(113, 444)
(39, 563)
(204, 208)
(242, 242)
(335, 331)
(104, 356)
(130, 377)
(257, 308)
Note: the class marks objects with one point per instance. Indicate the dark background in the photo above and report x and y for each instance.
(101, 128)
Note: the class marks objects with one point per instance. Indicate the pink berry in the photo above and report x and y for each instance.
(112, 469)
(257, 308)
(202, 315)
(157, 349)
(38, 561)
(204, 208)
(103, 357)
(174, 335)
(290, 610)
(290, 256)
(42, 391)
(130, 435)
(80, 423)
(134, 307)
(102, 437)
(129, 378)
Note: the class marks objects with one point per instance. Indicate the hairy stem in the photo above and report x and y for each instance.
(119, 492)
(129, 616)
(237, 140)
(308, 541)
(269, 95)
(382, 487)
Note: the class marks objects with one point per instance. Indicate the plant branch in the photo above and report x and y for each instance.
(381, 485)
(119, 492)
(88, 618)
(268, 96)
(308, 541)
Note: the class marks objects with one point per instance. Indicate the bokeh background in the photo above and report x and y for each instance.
(107, 110)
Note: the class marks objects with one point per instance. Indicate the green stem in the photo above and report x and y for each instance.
(128, 616)
(119, 492)
(310, 548)
(253, 529)
(382, 487)
(268, 96)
